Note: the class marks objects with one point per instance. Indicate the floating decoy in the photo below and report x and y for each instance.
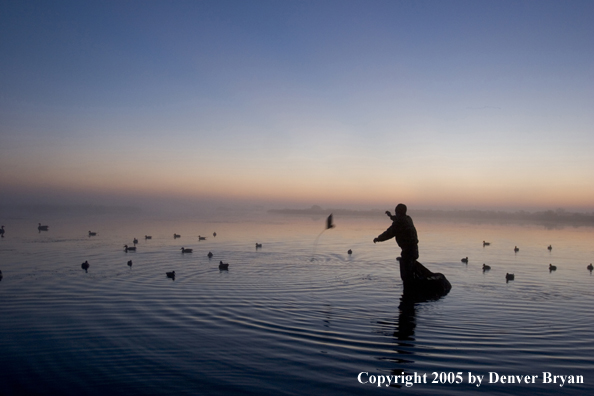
(550, 248)
(223, 266)
(2, 231)
(130, 263)
(210, 255)
(214, 234)
(170, 274)
(201, 238)
(42, 227)
(258, 245)
(552, 267)
(486, 267)
(85, 266)
(148, 237)
(350, 251)
(516, 249)
(590, 267)
(126, 248)
(176, 236)
(135, 241)
(509, 277)
(465, 260)
(92, 233)
(184, 250)
(486, 243)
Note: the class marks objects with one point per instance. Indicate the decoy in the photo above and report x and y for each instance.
(135, 241)
(85, 266)
(2, 231)
(148, 237)
(486, 267)
(350, 251)
(590, 267)
(550, 248)
(201, 238)
(176, 236)
(329, 223)
(92, 233)
(223, 266)
(184, 250)
(130, 263)
(0, 274)
(126, 248)
(42, 227)
(210, 255)
(509, 277)
(552, 267)
(258, 245)
(170, 274)
(516, 249)
(214, 234)
(465, 260)
(486, 243)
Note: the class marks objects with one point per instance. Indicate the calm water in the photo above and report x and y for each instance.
(278, 322)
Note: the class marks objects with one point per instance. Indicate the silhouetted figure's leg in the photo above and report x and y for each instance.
(408, 257)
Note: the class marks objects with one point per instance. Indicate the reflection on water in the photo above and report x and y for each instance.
(277, 322)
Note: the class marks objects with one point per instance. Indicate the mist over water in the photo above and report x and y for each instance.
(282, 320)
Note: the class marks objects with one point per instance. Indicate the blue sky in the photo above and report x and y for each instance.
(360, 103)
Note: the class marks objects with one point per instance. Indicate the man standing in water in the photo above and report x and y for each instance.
(405, 233)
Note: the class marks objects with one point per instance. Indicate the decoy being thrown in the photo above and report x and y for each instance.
(465, 260)
(184, 250)
(132, 248)
(214, 234)
(135, 241)
(42, 227)
(85, 266)
(223, 266)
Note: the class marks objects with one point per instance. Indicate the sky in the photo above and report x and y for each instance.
(438, 104)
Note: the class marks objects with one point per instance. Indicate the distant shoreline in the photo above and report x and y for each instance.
(549, 216)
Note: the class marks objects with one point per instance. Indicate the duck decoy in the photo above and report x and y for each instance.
(201, 238)
(42, 227)
(148, 237)
(550, 248)
(590, 267)
(2, 232)
(85, 266)
(126, 248)
(214, 234)
(184, 250)
(223, 266)
(176, 236)
(210, 255)
(170, 274)
(258, 245)
(92, 233)
(486, 267)
(516, 249)
(135, 241)
(465, 260)
(350, 252)
(130, 263)
(552, 268)
(0, 275)
(486, 243)
(509, 277)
